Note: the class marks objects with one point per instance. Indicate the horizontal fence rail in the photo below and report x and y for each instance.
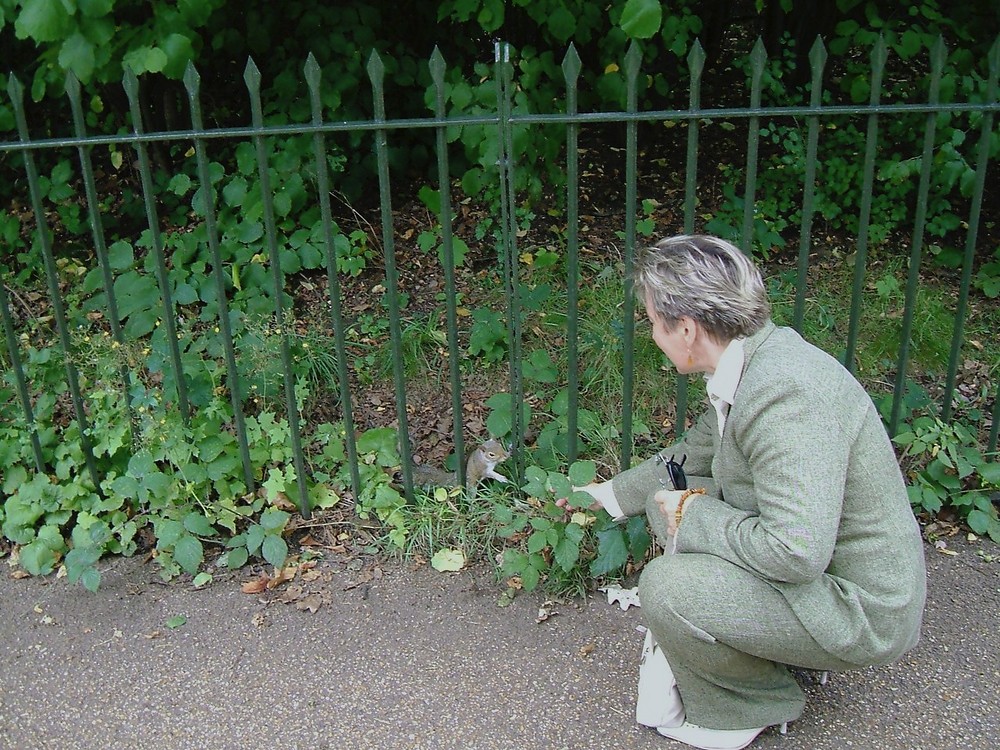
(502, 124)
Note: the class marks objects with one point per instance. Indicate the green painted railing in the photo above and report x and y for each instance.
(501, 125)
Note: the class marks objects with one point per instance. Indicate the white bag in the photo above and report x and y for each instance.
(659, 702)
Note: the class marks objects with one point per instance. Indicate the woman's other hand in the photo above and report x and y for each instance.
(668, 500)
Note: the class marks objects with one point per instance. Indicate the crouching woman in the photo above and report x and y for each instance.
(801, 550)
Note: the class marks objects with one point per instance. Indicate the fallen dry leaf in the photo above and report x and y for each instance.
(546, 611)
(256, 586)
(312, 603)
(284, 575)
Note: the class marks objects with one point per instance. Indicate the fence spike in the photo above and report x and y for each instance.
(251, 76)
(130, 82)
(571, 65)
(817, 58)
(72, 85)
(313, 73)
(758, 59)
(192, 79)
(14, 88)
(696, 61)
(375, 68)
(437, 67)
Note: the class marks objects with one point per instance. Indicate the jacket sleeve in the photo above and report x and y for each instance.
(634, 485)
(795, 435)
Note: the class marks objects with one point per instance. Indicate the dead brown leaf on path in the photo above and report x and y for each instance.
(257, 585)
(311, 603)
(284, 575)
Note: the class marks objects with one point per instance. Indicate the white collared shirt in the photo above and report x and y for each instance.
(722, 384)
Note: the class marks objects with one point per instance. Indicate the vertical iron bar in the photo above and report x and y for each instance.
(880, 54)
(312, 72)
(97, 232)
(817, 59)
(991, 445)
(633, 61)
(696, 65)
(192, 82)
(758, 59)
(251, 77)
(16, 91)
(131, 85)
(938, 56)
(571, 70)
(376, 73)
(505, 95)
(982, 162)
(437, 68)
(19, 381)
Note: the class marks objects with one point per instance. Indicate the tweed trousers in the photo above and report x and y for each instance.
(728, 635)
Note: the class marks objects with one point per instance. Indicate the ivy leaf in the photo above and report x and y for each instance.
(612, 552)
(237, 558)
(536, 478)
(196, 523)
(79, 560)
(274, 550)
(274, 520)
(38, 558)
(562, 23)
(582, 472)
(91, 579)
(537, 542)
(255, 537)
(188, 553)
(539, 366)
(144, 59)
(448, 560)
(42, 20)
(176, 621)
(641, 18)
(77, 54)
(979, 521)
(567, 552)
(638, 537)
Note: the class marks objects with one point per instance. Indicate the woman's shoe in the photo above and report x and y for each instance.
(712, 739)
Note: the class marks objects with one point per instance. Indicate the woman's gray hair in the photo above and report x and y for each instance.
(706, 279)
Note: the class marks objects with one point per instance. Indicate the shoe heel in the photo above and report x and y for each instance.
(784, 727)
(824, 677)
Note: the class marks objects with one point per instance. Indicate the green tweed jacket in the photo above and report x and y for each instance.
(805, 492)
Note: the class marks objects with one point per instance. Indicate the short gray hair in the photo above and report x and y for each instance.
(706, 279)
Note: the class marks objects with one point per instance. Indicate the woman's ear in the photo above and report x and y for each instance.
(689, 329)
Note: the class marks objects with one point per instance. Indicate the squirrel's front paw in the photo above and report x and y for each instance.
(499, 477)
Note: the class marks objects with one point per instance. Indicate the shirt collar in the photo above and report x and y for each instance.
(722, 384)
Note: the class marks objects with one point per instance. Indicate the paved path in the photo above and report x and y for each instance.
(414, 659)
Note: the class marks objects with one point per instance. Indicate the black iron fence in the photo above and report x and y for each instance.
(502, 123)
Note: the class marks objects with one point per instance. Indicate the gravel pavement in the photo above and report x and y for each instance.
(396, 657)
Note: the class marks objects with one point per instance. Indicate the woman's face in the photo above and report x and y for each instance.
(672, 343)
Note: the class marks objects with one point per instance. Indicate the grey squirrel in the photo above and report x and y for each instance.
(479, 466)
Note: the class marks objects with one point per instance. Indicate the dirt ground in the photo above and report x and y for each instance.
(390, 656)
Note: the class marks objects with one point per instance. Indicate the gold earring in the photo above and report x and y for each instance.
(690, 358)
